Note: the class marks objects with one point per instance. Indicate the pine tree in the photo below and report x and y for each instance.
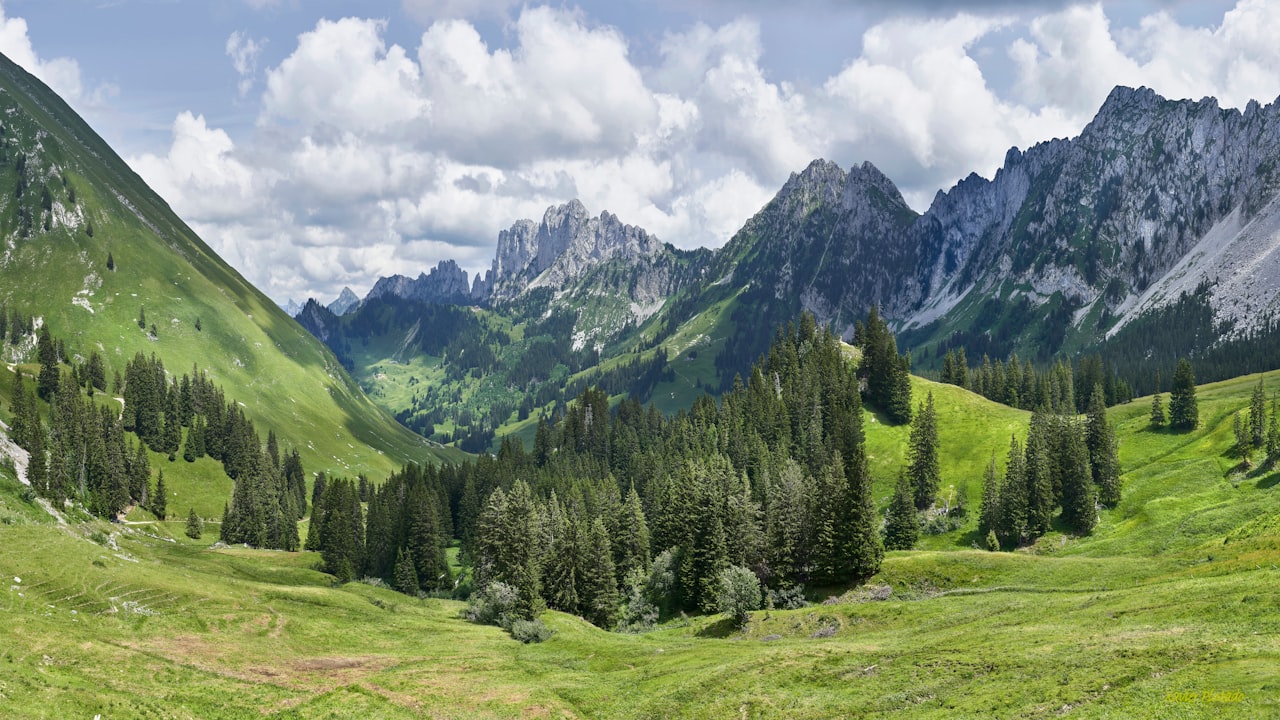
(924, 470)
(1039, 470)
(50, 374)
(1013, 526)
(631, 543)
(406, 573)
(1243, 439)
(1184, 413)
(989, 514)
(599, 579)
(1157, 412)
(1104, 455)
(159, 503)
(1079, 496)
(195, 526)
(1273, 436)
(1258, 415)
(901, 527)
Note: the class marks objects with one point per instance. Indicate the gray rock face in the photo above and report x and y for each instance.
(445, 284)
(563, 248)
(346, 302)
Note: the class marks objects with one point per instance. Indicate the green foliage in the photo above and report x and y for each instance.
(530, 631)
(924, 471)
(1157, 412)
(902, 526)
(1184, 413)
(195, 525)
(739, 594)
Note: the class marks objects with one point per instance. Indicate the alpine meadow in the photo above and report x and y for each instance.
(1013, 452)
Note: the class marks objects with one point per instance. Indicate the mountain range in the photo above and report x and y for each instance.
(1157, 204)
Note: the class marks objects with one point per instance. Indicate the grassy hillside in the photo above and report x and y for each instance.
(1168, 611)
(68, 202)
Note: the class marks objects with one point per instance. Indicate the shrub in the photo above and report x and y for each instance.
(739, 593)
(788, 598)
(494, 605)
(530, 631)
(639, 613)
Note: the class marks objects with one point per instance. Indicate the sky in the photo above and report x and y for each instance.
(316, 144)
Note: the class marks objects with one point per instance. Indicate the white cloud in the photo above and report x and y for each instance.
(244, 52)
(429, 11)
(61, 74)
(369, 158)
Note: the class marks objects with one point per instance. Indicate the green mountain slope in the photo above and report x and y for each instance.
(1167, 610)
(68, 203)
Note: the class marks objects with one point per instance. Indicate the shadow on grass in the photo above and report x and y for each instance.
(722, 628)
(1270, 481)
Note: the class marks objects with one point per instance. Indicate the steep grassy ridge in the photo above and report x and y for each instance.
(67, 202)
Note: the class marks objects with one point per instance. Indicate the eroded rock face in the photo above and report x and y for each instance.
(563, 248)
(445, 284)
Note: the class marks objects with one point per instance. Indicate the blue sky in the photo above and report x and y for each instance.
(318, 143)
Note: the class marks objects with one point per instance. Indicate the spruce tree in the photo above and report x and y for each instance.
(1243, 438)
(1273, 436)
(159, 503)
(195, 526)
(406, 574)
(1039, 469)
(1258, 415)
(631, 543)
(1104, 455)
(1079, 496)
(1157, 412)
(989, 514)
(924, 471)
(599, 580)
(50, 374)
(901, 527)
(1013, 528)
(1184, 413)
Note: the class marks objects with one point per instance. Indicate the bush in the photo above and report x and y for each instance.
(494, 605)
(639, 613)
(788, 598)
(530, 631)
(739, 593)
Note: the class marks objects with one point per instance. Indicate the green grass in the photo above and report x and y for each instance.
(1173, 597)
(286, 379)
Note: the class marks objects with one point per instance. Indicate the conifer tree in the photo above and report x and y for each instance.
(50, 374)
(864, 550)
(788, 525)
(1104, 455)
(1273, 436)
(1258, 415)
(1243, 439)
(1040, 469)
(901, 527)
(195, 526)
(1079, 496)
(631, 545)
(160, 503)
(1157, 412)
(1013, 526)
(406, 573)
(1184, 413)
(989, 514)
(924, 471)
(599, 580)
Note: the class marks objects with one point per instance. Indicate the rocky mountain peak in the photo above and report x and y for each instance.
(562, 248)
(346, 302)
(446, 283)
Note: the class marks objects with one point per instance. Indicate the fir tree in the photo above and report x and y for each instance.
(50, 374)
(924, 470)
(1039, 469)
(159, 503)
(1243, 439)
(1104, 455)
(1184, 414)
(1258, 415)
(599, 580)
(1079, 496)
(901, 527)
(1013, 527)
(406, 573)
(1157, 412)
(1273, 436)
(195, 526)
(989, 514)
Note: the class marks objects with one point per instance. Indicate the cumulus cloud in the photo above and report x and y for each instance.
(370, 158)
(62, 74)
